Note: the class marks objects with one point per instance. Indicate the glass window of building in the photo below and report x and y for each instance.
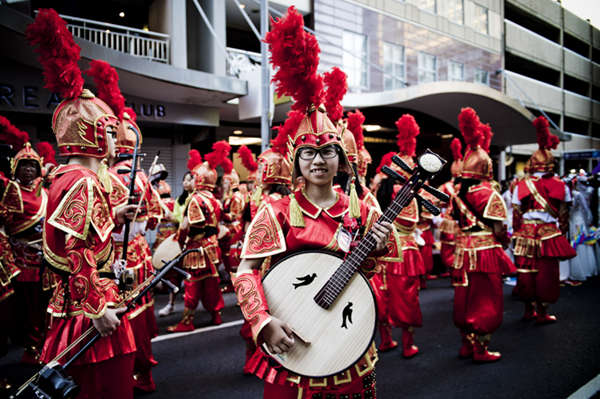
(427, 68)
(394, 66)
(480, 19)
(454, 11)
(456, 71)
(355, 59)
(482, 77)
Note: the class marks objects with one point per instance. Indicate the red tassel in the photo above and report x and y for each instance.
(247, 159)
(355, 121)
(295, 56)
(386, 160)
(106, 80)
(456, 148)
(408, 130)
(58, 52)
(194, 160)
(545, 139)
(337, 86)
(46, 151)
(11, 135)
(468, 123)
(221, 150)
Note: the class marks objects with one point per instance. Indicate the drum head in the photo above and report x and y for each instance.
(167, 250)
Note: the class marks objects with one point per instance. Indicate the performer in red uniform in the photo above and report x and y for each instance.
(199, 229)
(77, 230)
(251, 166)
(402, 277)
(479, 258)
(541, 220)
(448, 226)
(309, 218)
(168, 224)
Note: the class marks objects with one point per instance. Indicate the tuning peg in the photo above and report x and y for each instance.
(393, 174)
(436, 193)
(434, 210)
(398, 161)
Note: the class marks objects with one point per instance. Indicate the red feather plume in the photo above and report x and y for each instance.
(408, 130)
(336, 82)
(194, 160)
(545, 139)
(106, 80)
(58, 52)
(247, 159)
(221, 150)
(468, 123)
(386, 160)
(285, 131)
(295, 55)
(11, 135)
(355, 122)
(227, 165)
(456, 148)
(487, 134)
(46, 151)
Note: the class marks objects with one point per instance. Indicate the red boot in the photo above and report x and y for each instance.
(216, 319)
(530, 312)
(144, 382)
(481, 353)
(466, 350)
(409, 349)
(387, 343)
(542, 315)
(186, 324)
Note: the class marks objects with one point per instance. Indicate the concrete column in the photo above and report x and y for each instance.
(502, 166)
(204, 53)
(169, 16)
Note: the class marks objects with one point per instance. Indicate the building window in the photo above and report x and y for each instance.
(425, 5)
(394, 66)
(454, 11)
(480, 19)
(456, 71)
(355, 59)
(482, 77)
(427, 68)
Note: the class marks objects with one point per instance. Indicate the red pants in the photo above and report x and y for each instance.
(143, 334)
(30, 310)
(478, 307)
(403, 305)
(541, 286)
(111, 378)
(206, 290)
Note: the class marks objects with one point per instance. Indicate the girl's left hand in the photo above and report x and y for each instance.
(381, 234)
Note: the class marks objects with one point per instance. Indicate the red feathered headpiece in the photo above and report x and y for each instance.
(355, 122)
(221, 150)
(11, 135)
(295, 56)
(469, 125)
(337, 86)
(194, 160)
(408, 130)
(47, 152)
(486, 134)
(247, 159)
(227, 165)
(58, 53)
(545, 139)
(386, 160)
(456, 148)
(284, 132)
(106, 80)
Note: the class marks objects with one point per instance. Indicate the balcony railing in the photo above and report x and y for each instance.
(239, 60)
(137, 42)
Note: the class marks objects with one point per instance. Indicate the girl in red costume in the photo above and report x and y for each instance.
(479, 258)
(309, 218)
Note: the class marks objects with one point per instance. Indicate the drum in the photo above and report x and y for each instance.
(167, 250)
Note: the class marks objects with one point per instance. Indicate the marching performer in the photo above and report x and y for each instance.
(168, 224)
(199, 229)
(308, 218)
(77, 230)
(479, 258)
(540, 222)
(402, 277)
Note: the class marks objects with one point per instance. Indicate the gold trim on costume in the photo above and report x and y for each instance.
(58, 212)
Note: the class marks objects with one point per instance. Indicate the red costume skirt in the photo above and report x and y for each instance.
(535, 240)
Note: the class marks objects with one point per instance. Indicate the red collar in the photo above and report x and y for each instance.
(339, 208)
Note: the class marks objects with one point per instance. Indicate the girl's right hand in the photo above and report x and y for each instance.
(278, 336)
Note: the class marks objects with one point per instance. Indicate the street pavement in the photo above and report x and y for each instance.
(551, 361)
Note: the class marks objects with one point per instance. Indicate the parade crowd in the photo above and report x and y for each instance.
(64, 228)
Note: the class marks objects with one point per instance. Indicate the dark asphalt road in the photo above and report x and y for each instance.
(551, 361)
